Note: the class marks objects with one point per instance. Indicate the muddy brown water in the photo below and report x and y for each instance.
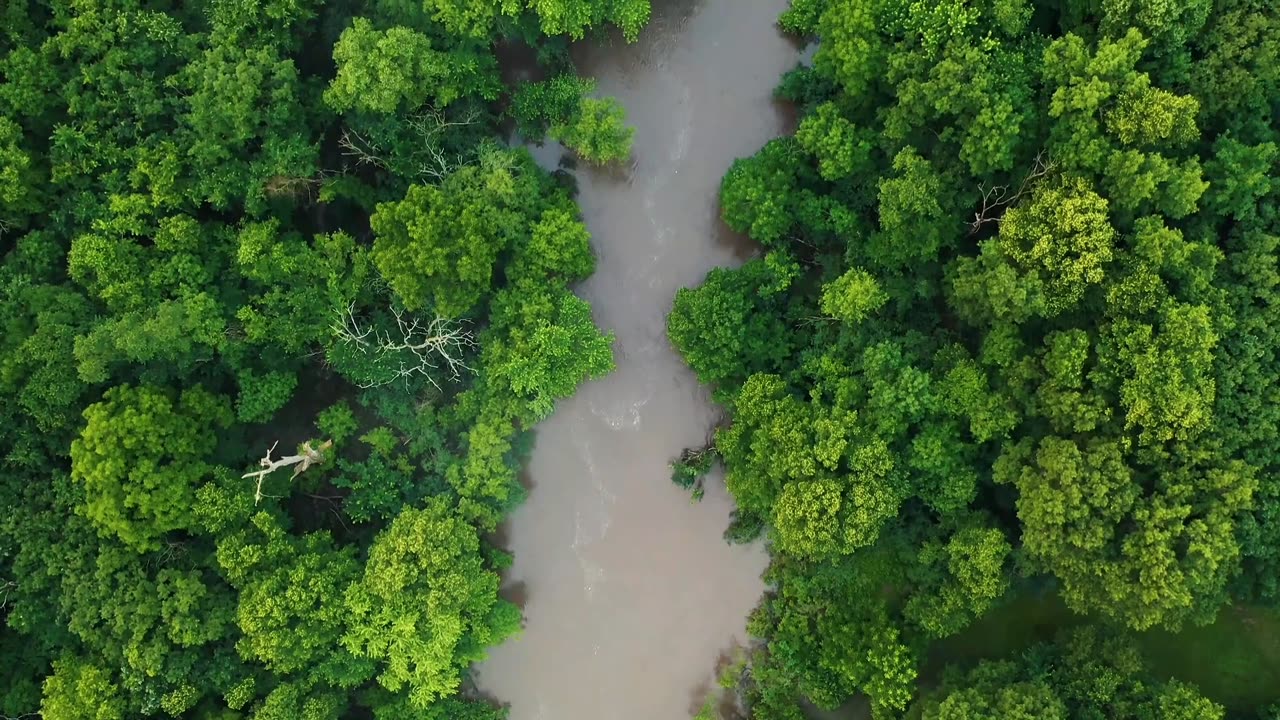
(629, 592)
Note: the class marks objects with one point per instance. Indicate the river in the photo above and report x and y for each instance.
(630, 594)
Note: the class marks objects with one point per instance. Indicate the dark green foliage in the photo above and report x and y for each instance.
(1083, 674)
(692, 467)
(729, 327)
(1027, 337)
(239, 236)
(536, 106)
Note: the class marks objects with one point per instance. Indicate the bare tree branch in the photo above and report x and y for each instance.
(441, 344)
(997, 198)
(365, 152)
(428, 126)
(7, 588)
(432, 122)
(434, 164)
(308, 457)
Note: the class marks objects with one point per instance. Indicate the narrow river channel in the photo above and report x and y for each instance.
(629, 593)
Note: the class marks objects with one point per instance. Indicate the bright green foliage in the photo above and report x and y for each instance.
(536, 106)
(298, 285)
(573, 17)
(969, 576)
(426, 607)
(1239, 176)
(228, 87)
(1007, 700)
(437, 247)
(337, 422)
(379, 486)
(547, 354)
(1074, 503)
(826, 492)
(853, 296)
(802, 17)
(289, 700)
(381, 71)
(1012, 330)
(755, 195)
(80, 691)
(260, 397)
(1236, 74)
(727, 328)
(914, 224)
(291, 611)
(841, 149)
(1167, 390)
(597, 131)
(1051, 251)
(18, 179)
(141, 456)
(559, 247)
(594, 128)
(476, 18)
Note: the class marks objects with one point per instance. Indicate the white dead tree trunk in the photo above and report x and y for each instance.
(424, 348)
(365, 152)
(308, 457)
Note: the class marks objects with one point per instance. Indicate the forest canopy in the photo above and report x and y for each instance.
(1012, 331)
(281, 307)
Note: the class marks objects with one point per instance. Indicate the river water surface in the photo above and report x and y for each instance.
(629, 593)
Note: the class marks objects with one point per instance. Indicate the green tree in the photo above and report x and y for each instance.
(140, 458)
(597, 131)
(544, 355)
(385, 70)
(727, 328)
(426, 606)
(853, 296)
(290, 603)
(438, 246)
(79, 690)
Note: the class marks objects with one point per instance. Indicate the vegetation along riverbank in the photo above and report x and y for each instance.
(1002, 381)
(280, 311)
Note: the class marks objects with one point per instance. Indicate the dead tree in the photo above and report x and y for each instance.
(432, 162)
(365, 152)
(301, 462)
(7, 587)
(429, 126)
(998, 198)
(424, 348)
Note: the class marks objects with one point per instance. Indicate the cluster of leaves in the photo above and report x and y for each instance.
(1013, 325)
(233, 224)
(691, 468)
(559, 108)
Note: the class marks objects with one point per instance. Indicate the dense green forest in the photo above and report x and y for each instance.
(279, 310)
(1014, 333)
